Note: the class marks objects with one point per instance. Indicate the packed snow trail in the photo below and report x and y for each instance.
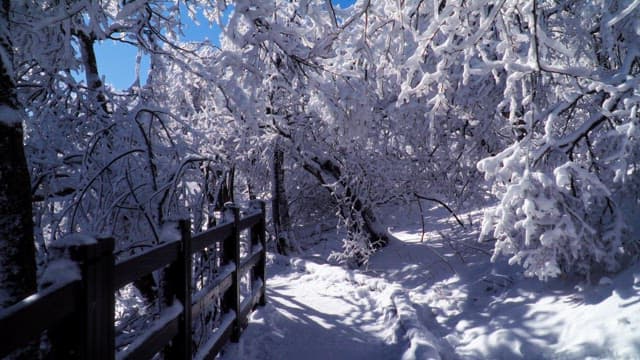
(308, 317)
(323, 311)
(437, 299)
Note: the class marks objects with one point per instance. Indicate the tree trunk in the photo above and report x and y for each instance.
(228, 190)
(329, 173)
(17, 250)
(210, 195)
(225, 192)
(91, 70)
(280, 205)
(378, 238)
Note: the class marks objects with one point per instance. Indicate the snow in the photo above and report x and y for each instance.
(369, 105)
(312, 321)
(224, 323)
(165, 317)
(622, 14)
(76, 239)
(59, 271)
(438, 299)
(170, 232)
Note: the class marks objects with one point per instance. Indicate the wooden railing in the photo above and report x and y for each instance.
(79, 313)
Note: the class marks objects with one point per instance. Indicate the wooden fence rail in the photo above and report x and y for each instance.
(79, 314)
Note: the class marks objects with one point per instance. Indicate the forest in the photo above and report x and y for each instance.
(523, 113)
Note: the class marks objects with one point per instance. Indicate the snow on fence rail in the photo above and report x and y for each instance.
(79, 314)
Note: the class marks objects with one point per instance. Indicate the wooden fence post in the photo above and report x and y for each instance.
(231, 253)
(258, 235)
(93, 335)
(178, 287)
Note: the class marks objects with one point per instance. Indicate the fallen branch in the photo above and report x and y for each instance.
(420, 197)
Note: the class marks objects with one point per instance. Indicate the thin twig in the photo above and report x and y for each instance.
(441, 204)
(422, 221)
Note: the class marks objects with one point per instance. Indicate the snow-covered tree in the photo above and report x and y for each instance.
(102, 160)
(567, 185)
(325, 86)
(17, 251)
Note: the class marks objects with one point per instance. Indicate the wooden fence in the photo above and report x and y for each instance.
(79, 314)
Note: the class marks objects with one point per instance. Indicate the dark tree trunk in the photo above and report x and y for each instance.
(17, 250)
(378, 238)
(91, 70)
(328, 172)
(225, 194)
(280, 205)
(227, 190)
(210, 195)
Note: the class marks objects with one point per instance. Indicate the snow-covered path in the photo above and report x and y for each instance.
(325, 311)
(437, 299)
(320, 310)
(314, 313)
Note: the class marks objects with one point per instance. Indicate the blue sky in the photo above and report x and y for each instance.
(116, 61)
